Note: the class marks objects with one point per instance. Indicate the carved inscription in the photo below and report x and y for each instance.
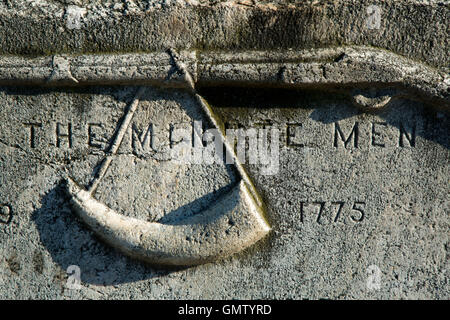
(64, 137)
(93, 132)
(351, 135)
(143, 141)
(32, 127)
(151, 138)
(411, 138)
(333, 211)
(347, 140)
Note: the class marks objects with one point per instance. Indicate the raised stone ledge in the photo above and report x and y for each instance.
(343, 66)
(415, 29)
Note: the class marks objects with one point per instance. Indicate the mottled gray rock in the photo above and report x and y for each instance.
(352, 204)
(414, 28)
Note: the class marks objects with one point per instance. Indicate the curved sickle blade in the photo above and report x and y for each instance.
(233, 223)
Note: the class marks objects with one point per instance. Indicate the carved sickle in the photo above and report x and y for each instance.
(233, 223)
(230, 225)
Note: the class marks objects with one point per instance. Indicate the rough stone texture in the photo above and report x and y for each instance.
(343, 210)
(405, 190)
(416, 29)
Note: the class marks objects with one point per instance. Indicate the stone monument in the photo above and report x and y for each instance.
(245, 149)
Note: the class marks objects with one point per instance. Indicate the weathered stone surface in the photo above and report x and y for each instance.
(354, 201)
(413, 28)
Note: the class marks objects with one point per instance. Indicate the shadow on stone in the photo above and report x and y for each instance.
(328, 107)
(408, 117)
(69, 242)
